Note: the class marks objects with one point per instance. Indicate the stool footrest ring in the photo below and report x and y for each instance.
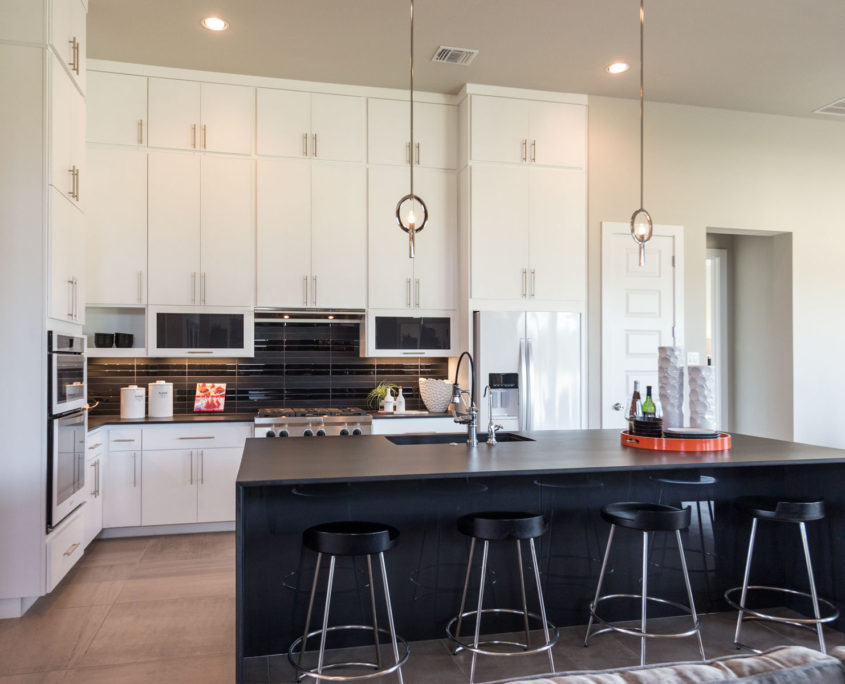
(611, 627)
(463, 645)
(797, 622)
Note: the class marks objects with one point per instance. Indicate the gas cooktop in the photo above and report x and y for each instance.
(312, 422)
(309, 412)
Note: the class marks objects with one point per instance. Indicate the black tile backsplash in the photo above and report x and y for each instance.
(295, 364)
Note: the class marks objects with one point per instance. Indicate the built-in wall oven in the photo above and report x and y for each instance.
(67, 425)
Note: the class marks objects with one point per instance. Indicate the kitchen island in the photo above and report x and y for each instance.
(285, 486)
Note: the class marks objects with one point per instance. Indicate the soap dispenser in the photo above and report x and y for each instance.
(400, 402)
(388, 401)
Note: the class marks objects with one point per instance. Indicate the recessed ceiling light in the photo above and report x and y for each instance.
(215, 24)
(617, 68)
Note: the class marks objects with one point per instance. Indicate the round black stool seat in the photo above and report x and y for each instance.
(781, 509)
(502, 525)
(350, 538)
(647, 517)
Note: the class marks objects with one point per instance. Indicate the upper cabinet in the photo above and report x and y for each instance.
(67, 135)
(310, 125)
(117, 108)
(67, 36)
(435, 134)
(527, 132)
(189, 115)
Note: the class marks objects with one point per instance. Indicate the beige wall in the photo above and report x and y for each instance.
(710, 168)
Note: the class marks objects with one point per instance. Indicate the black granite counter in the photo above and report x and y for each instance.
(98, 421)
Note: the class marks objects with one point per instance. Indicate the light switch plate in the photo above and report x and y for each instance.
(693, 358)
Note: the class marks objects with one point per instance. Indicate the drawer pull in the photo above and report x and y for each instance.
(71, 549)
(123, 440)
(208, 437)
(96, 446)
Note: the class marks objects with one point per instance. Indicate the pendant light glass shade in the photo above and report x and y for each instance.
(641, 226)
(411, 223)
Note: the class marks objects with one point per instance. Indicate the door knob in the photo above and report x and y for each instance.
(617, 406)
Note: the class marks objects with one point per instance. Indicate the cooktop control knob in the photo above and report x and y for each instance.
(270, 433)
(283, 433)
(308, 432)
(344, 431)
(357, 431)
(321, 432)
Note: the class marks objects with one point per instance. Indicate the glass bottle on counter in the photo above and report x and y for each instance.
(649, 408)
(632, 410)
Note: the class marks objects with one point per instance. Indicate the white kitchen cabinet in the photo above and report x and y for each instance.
(312, 125)
(429, 281)
(67, 135)
(169, 487)
(558, 134)
(499, 129)
(93, 509)
(174, 113)
(435, 134)
(116, 108)
(410, 425)
(312, 232)
(64, 547)
(67, 260)
(228, 115)
(68, 36)
(218, 470)
(122, 486)
(116, 245)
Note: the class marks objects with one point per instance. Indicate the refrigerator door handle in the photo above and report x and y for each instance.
(523, 386)
(529, 405)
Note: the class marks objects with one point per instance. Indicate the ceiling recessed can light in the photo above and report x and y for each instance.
(215, 24)
(617, 68)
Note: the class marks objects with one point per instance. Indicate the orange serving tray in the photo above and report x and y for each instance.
(721, 443)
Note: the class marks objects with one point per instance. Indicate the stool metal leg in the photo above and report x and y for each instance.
(373, 608)
(326, 617)
(598, 586)
(689, 595)
(522, 593)
(542, 601)
(464, 593)
(390, 623)
(310, 606)
(644, 608)
(478, 614)
(738, 632)
(816, 612)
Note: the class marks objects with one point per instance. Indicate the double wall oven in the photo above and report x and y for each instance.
(67, 425)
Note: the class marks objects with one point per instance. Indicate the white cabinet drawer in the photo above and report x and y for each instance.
(95, 445)
(197, 436)
(121, 439)
(65, 547)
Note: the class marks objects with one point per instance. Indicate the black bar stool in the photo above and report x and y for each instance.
(647, 518)
(502, 526)
(795, 511)
(349, 539)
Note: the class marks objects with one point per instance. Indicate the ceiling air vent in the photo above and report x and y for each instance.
(836, 108)
(453, 55)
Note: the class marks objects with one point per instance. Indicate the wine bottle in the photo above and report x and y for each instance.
(632, 410)
(648, 404)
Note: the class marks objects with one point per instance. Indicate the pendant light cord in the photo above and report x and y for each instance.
(411, 144)
(642, 21)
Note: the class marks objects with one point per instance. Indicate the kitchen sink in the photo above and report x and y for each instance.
(458, 439)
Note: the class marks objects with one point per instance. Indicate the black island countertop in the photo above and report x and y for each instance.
(375, 457)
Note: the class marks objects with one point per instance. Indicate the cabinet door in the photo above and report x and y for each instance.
(499, 233)
(283, 254)
(174, 228)
(228, 232)
(116, 225)
(169, 491)
(338, 127)
(174, 110)
(117, 108)
(67, 36)
(228, 113)
(93, 501)
(436, 262)
(338, 236)
(435, 131)
(499, 129)
(122, 489)
(558, 134)
(557, 234)
(62, 130)
(284, 123)
(67, 260)
(218, 470)
(391, 271)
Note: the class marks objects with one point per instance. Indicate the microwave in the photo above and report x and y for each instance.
(431, 334)
(200, 331)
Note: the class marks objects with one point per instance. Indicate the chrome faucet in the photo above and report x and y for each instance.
(491, 426)
(468, 416)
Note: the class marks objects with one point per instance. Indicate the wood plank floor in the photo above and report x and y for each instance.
(162, 609)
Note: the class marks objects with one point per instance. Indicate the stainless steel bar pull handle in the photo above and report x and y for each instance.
(70, 298)
(304, 144)
(140, 131)
(199, 437)
(123, 440)
(314, 151)
(193, 287)
(98, 476)
(71, 549)
(314, 290)
(533, 281)
(134, 468)
(524, 282)
(94, 484)
(204, 137)
(533, 150)
(77, 184)
(74, 55)
(418, 153)
(203, 288)
(191, 462)
(305, 290)
(140, 287)
(524, 150)
(202, 467)
(408, 298)
(417, 293)
(194, 136)
(72, 172)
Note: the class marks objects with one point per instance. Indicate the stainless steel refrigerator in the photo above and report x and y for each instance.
(543, 349)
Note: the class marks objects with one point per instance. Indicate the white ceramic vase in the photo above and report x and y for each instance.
(670, 382)
(702, 397)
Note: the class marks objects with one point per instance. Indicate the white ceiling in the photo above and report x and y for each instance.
(776, 56)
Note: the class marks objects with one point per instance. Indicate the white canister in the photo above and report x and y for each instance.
(133, 401)
(161, 399)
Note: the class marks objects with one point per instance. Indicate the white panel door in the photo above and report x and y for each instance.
(338, 236)
(557, 241)
(174, 111)
(640, 312)
(388, 133)
(228, 232)
(68, 36)
(391, 271)
(436, 262)
(122, 489)
(558, 134)
(499, 239)
(169, 491)
(63, 121)
(218, 470)
(338, 127)
(93, 511)
(284, 123)
(116, 244)
(283, 254)
(499, 129)
(435, 131)
(117, 108)
(62, 233)
(228, 113)
(174, 228)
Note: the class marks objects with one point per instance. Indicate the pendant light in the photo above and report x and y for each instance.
(641, 226)
(411, 227)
